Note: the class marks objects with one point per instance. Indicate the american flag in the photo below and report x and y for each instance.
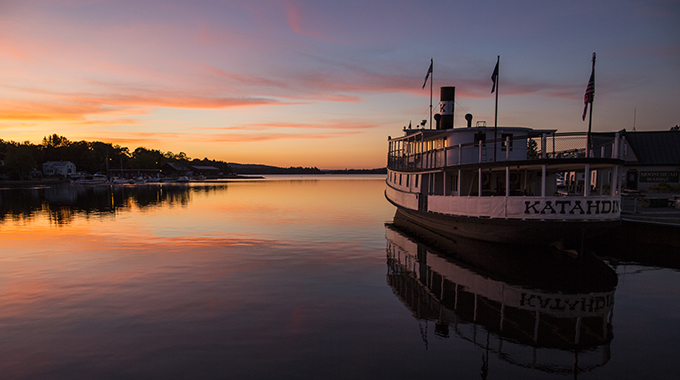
(590, 93)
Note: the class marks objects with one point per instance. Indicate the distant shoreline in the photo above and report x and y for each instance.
(244, 176)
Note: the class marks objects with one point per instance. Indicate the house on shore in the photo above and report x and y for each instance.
(208, 171)
(651, 158)
(175, 169)
(62, 168)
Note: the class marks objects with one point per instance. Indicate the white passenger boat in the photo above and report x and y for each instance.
(511, 185)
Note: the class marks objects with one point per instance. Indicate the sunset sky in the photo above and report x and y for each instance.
(324, 82)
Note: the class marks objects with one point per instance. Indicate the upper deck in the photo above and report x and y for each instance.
(425, 149)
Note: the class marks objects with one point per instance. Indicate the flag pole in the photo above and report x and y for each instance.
(495, 118)
(590, 114)
(431, 81)
(429, 72)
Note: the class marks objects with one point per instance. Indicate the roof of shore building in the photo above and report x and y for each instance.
(57, 163)
(177, 166)
(199, 167)
(656, 147)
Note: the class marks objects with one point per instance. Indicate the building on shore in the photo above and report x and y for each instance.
(651, 158)
(206, 170)
(62, 168)
(175, 169)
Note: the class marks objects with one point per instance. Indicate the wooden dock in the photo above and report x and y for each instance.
(649, 234)
(662, 208)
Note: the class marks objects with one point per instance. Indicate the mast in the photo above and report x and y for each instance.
(431, 81)
(495, 117)
(429, 72)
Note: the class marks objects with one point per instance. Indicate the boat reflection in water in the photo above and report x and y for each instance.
(532, 308)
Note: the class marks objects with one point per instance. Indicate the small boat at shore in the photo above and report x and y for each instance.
(512, 185)
(95, 179)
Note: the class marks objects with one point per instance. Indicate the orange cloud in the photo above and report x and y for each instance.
(47, 111)
(77, 107)
(154, 140)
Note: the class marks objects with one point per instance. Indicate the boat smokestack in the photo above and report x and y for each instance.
(468, 117)
(446, 98)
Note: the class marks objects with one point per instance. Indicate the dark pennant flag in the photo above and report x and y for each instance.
(429, 71)
(494, 77)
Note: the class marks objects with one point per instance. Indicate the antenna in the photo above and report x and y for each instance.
(634, 118)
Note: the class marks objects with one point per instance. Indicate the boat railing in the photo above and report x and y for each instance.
(517, 148)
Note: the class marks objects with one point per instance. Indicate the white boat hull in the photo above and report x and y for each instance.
(531, 229)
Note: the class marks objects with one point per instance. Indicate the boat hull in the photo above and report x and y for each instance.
(508, 231)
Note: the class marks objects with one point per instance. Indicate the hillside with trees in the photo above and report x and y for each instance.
(19, 161)
(266, 169)
(23, 160)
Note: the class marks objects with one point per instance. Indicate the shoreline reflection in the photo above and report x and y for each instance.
(62, 202)
(530, 307)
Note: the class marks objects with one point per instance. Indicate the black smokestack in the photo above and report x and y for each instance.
(468, 117)
(446, 98)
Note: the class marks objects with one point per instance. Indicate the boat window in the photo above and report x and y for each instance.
(408, 176)
(417, 179)
(505, 136)
(480, 137)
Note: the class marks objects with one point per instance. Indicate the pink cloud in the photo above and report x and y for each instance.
(295, 19)
(12, 52)
(320, 126)
(255, 137)
(155, 139)
(171, 99)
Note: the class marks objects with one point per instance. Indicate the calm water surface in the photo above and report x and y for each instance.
(301, 278)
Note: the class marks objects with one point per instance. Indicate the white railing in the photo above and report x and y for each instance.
(546, 146)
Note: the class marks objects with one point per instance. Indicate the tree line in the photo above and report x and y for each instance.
(21, 160)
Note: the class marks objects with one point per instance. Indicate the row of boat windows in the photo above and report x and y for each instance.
(404, 179)
(415, 147)
(520, 182)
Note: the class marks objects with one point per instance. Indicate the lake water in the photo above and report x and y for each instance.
(301, 278)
